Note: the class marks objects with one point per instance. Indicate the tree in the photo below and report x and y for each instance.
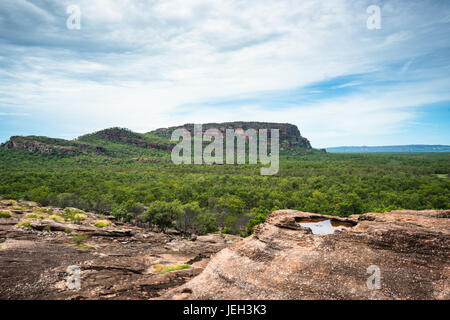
(205, 223)
(120, 212)
(260, 215)
(162, 214)
(348, 204)
(186, 219)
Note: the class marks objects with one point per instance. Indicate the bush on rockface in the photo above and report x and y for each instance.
(5, 214)
(102, 223)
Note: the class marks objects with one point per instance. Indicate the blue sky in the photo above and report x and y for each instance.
(150, 64)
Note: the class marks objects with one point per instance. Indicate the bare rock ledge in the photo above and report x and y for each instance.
(284, 260)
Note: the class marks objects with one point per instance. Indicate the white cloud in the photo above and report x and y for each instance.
(140, 63)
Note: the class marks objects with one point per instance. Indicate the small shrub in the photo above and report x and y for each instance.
(47, 228)
(68, 230)
(43, 210)
(8, 202)
(5, 214)
(55, 217)
(71, 214)
(26, 225)
(102, 223)
(160, 268)
(35, 216)
(85, 246)
(79, 238)
(77, 218)
(226, 231)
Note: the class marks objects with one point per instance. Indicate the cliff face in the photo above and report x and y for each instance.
(99, 143)
(289, 133)
(408, 251)
(51, 146)
(93, 144)
(130, 137)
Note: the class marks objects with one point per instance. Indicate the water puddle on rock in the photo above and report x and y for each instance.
(324, 226)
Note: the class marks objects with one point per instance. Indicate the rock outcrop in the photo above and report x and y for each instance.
(289, 133)
(396, 255)
(130, 137)
(90, 144)
(51, 146)
(118, 261)
(123, 143)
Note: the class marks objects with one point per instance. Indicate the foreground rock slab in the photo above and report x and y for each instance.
(118, 261)
(396, 255)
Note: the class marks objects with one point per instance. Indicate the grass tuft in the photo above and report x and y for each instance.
(84, 246)
(161, 269)
(26, 224)
(35, 216)
(5, 214)
(79, 241)
(77, 218)
(102, 223)
(79, 238)
(55, 217)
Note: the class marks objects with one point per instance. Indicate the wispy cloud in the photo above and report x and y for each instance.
(407, 64)
(148, 64)
(13, 114)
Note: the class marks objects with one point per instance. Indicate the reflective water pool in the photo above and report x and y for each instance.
(324, 226)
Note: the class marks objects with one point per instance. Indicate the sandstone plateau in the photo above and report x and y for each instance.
(117, 142)
(284, 260)
(117, 261)
(289, 133)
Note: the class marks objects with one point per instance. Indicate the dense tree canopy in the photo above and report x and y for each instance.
(232, 198)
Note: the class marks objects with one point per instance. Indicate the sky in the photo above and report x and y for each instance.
(150, 64)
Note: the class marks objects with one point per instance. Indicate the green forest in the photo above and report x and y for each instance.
(147, 189)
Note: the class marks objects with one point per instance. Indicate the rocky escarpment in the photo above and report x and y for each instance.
(51, 146)
(121, 142)
(130, 137)
(289, 133)
(396, 255)
(108, 142)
